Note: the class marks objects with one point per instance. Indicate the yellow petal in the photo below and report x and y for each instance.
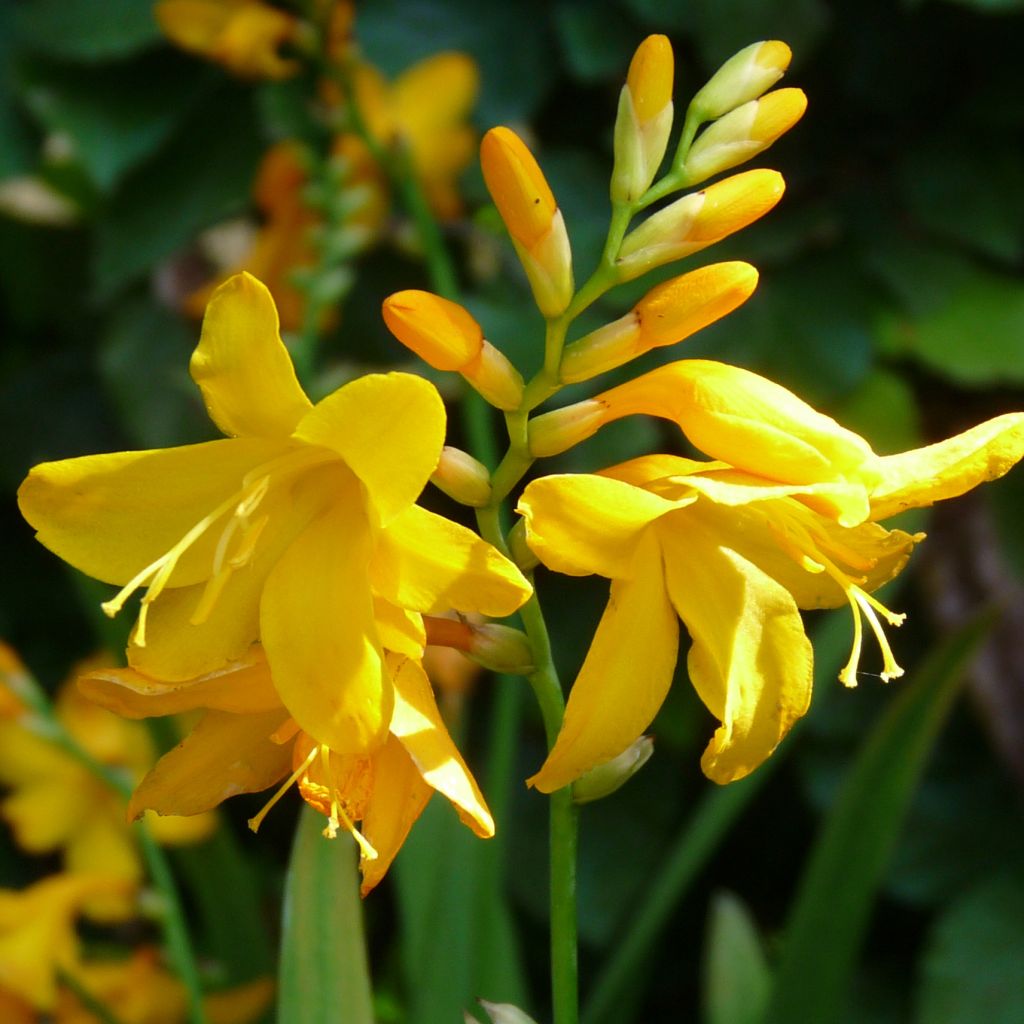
(951, 467)
(427, 563)
(44, 814)
(417, 724)
(647, 469)
(399, 796)
(224, 755)
(435, 93)
(578, 524)
(242, 367)
(750, 662)
(745, 420)
(239, 687)
(320, 636)
(103, 846)
(400, 631)
(388, 428)
(112, 515)
(624, 679)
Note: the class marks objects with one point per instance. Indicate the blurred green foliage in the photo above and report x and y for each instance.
(891, 294)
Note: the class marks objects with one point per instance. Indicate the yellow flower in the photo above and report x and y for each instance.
(57, 803)
(425, 112)
(247, 741)
(243, 35)
(785, 518)
(37, 933)
(298, 530)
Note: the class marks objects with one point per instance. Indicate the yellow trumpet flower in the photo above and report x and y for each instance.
(785, 518)
(299, 529)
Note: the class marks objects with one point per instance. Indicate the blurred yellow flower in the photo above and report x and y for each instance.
(786, 518)
(425, 112)
(57, 803)
(243, 35)
(247, 741)
(37, 934)
(299, 530)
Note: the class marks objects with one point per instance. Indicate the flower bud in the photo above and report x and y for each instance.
(699, 220)
(495, 647)
(743, 77)
(644, 120)
(461, 477)
(606, 778)
(530, 213)
(555, 432)
(743, 133)
(501, 1013)
(521, 552)
(447, 337)
(667, 314)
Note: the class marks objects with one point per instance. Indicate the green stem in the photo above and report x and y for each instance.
(42, 720)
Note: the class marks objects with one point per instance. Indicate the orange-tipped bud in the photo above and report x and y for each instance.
(447, 337)
(644, 120)
(742, 78)
(461, 477)
(528, 208)
(495, 647)
(743, 133)
(667, 314)
(699, 220)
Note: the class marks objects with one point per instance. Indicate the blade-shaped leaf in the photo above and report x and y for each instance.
(737, 982)
(834, 901)
(323, 975)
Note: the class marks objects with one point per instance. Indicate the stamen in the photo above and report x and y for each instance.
(890, 670)
(339, 817)
(257, 820)
(848, 675)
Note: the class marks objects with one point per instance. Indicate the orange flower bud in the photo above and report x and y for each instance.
(447, 337)
(667, 314)
(644, 119)
(743, 133)
(698, 220)
(530, 213)
(742, 78)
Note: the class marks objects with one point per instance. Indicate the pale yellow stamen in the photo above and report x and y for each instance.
(848, 675)
(257, 820)
(338, 815)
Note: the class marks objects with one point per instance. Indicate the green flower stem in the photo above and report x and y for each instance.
(44, 722)
(98, 1009)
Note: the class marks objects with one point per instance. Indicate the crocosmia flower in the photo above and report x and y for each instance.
(299, 529)
(785, 518)
(247, 741)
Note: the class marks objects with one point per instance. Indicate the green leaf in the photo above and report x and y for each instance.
(597, 39)
(971, 969)
(323, 975)
(975, 337)
(115, 115)
(737, 981)
(202, 176)
(85, 30)
(835, 897)
(17, 152)
(458, 938)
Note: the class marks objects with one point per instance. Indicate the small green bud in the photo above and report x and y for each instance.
(606, 778)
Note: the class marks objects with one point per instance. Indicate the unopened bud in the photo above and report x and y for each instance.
(555, 432)
(743, 133)
(501, 649)
(528, 208)
(606, 778)
(644, 119)
(461, 477)
(743, 77)
(447, 337)
(667, 314)
(521, 552)
(501, 1013)
(699, 220)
